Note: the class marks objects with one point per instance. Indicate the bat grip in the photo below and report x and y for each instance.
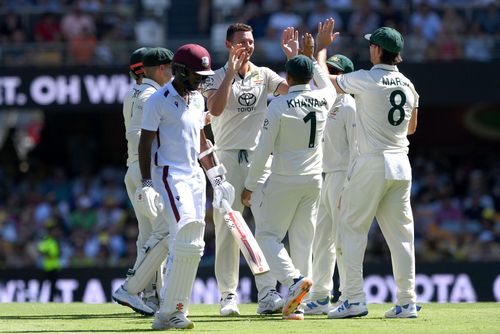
(226, 206)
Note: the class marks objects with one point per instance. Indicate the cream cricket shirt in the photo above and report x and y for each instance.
(239, 125)
(293, 131)
(178, 124)
(133, 105)
(339, 145)
(385, 99)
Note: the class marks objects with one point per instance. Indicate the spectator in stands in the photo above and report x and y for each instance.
(76, 22)
(48, 28)
(390, 16)
(478, 45)
(82, 47)
(416, 46)
(489, 19)
(321, 13)
(363, 20)
(9, 26)
(278, 21)
(339, 4)
(428, 21)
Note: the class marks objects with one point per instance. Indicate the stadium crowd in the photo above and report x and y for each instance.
(456, 206)
(90, 32)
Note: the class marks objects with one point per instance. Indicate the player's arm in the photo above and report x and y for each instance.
(264, 149)
(217, 99)
(324, 38)
(412, 126)
(149, 200)
(145, 142)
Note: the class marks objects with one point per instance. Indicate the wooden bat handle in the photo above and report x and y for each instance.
(226, 206)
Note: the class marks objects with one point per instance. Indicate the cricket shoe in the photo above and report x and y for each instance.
(271, 303)
(175, 320)
(348, 310)
(404, 311)
(229, 306)
(122, 297)
(152, 302)
(318, 306)
(296, 293)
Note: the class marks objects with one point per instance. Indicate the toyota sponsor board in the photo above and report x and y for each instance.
(441, 282)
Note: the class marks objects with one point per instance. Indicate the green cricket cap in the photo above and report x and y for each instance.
(300, 67)
(157, 56)
(341, 63)
(387, 38)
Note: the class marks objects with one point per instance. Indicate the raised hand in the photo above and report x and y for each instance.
(326, 35)
(237, 56)
(307, 48)
(290, 42)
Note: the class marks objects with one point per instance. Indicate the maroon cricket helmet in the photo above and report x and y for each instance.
(195, 57)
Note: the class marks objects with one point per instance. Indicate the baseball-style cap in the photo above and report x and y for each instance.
(300, 67)
(341, 63)
(195, 57)
(135, 63)
(387, 38)
(157, 56)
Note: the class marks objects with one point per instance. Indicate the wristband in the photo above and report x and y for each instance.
(147, 183)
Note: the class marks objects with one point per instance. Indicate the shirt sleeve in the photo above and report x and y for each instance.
(273, 80)
(151, 116)
(415, 94)
(323, 82)
(265, 147)
(212, 82)
(354, 82)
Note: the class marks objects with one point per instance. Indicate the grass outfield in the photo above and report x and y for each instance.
(109, 318)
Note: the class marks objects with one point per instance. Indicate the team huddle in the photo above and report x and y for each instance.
(315, 164)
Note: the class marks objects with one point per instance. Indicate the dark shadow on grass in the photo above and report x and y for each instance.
(82, 331)
(74, 316)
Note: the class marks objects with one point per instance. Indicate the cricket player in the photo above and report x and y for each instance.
(379, 180)
(153, 67)
(293, 133)
(174, 189)
(237, 100)
(339, 148)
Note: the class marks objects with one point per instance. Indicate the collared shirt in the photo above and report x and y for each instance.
(178, 124)
(133, 105)
(238, 127)
(385, 100)
(339, 145)
(293, 131)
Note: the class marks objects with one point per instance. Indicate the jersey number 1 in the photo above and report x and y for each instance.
(312, 135)
(397, 107)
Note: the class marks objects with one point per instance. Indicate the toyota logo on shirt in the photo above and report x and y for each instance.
(247, 100)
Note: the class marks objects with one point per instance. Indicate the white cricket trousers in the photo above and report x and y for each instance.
(145, 225)
(227, 253)
(289, 204)
(184, 212)
(368, 194)
(325, 236)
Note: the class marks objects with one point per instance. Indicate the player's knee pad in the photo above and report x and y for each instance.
(189, 240)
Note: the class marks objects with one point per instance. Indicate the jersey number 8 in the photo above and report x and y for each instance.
(397, 107)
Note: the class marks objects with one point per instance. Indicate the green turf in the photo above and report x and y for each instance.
(110, 318)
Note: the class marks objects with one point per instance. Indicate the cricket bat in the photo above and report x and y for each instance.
(245, 240)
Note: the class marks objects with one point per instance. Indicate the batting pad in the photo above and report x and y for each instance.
(185, 257)
(148, 269)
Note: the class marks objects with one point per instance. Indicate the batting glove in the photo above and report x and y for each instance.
(149, 200)
(222, 188)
